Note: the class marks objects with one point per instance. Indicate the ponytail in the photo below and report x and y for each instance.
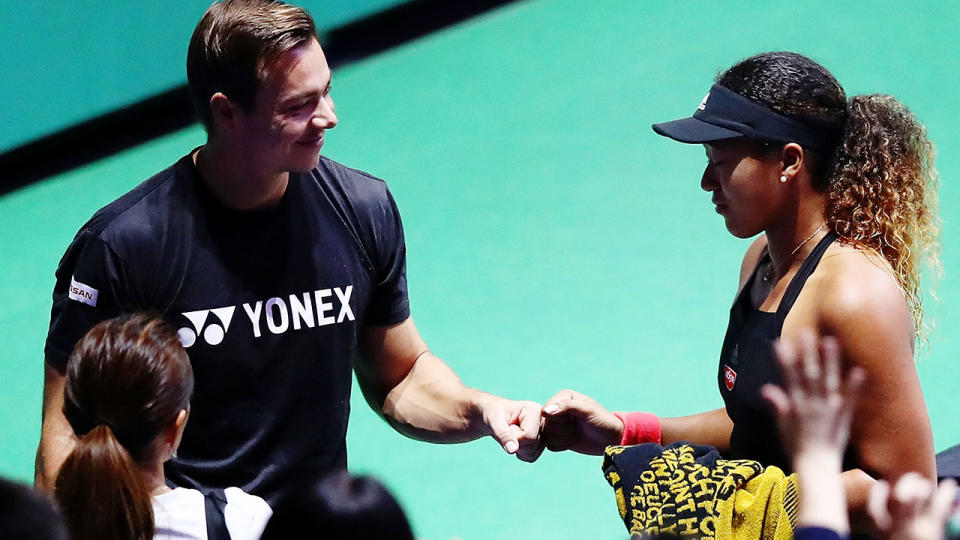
(100, 491)
(127, 381)
(882, 193)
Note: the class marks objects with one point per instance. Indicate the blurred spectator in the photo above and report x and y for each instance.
(26, 514)
(338, 506)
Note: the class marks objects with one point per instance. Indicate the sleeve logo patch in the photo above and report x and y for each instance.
(729, 377)
(83, 293)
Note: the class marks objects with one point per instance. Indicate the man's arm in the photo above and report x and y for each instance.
(56, 436)
(421, 397)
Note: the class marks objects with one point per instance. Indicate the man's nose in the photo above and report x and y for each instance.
(325, 117)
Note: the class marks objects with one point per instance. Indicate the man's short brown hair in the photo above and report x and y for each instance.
(234, 43)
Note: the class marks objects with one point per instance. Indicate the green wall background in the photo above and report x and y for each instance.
(69, 61)
(554, 241)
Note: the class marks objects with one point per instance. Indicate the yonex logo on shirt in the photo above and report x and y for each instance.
(275, 315)
(213, 333)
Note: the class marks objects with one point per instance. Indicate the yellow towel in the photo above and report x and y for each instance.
(689, 491)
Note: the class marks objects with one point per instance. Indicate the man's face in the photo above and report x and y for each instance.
(292, 110)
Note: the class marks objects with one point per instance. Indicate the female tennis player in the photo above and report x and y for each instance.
(842, 195)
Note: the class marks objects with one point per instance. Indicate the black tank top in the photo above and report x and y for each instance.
(747, 362)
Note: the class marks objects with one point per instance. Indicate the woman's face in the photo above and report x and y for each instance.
(744, 183)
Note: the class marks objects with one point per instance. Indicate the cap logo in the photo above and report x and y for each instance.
(703, 103)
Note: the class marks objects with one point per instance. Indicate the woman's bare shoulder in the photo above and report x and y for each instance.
(856, 286)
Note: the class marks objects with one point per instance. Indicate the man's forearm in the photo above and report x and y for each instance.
(432, 404)
(55, 445)
(56, 436)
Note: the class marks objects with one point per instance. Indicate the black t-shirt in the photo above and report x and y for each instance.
(268, 303)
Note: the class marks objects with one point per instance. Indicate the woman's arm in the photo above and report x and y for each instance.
(712, 428)
(862, 307)
(865, 311)
(577, 422)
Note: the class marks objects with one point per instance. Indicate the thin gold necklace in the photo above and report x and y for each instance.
(768, 275)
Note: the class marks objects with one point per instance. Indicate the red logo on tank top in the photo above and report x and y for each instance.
(729, 377)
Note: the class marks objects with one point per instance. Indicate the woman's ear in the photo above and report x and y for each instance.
(175, 432)
(792, 158)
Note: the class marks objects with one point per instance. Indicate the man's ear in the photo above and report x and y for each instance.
(224, 112)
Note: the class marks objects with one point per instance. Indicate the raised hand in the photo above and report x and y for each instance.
(916, 508)
(814, 410)
(815, 407)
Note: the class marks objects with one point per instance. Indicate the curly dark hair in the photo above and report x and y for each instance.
(879, 178)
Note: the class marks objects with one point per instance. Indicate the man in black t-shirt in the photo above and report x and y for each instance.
(284, 271)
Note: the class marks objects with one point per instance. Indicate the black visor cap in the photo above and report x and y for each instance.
(724, 114)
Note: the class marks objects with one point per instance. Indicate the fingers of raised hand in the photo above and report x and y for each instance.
(942, 503)
(829, 353)
(877, 505)
(820, 369)
(810, 370)
(786, 352)
(910, 496)
(811, 366)
(779, 399)
(852, 386)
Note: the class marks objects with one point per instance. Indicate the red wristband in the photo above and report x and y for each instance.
(639, 427)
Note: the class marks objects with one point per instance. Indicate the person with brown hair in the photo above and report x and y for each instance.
(283, 271)
(843, 192)
(127, 398)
